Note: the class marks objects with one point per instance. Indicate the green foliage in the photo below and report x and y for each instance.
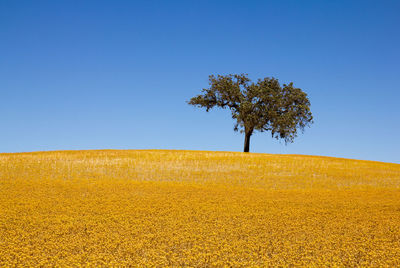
(261, 106)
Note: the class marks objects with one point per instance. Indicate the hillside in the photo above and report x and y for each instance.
(159, 207)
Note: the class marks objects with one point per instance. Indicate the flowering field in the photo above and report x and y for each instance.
(186, 208)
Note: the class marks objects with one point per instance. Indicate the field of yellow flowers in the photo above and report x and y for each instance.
(187, 208)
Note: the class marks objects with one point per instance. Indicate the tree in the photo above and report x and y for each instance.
(261, 106)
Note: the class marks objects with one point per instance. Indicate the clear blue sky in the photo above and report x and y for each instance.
(116, 74)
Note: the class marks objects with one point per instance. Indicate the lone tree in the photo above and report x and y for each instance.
(262, 106)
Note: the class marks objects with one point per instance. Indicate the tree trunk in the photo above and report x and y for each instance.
(247, 141)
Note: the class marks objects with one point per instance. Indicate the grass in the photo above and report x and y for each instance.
(187, 208)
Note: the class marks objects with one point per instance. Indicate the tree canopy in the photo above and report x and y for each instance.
(261, 106)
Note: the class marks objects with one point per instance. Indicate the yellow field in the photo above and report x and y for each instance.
(185, 208)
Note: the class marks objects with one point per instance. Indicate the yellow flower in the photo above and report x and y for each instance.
(186, 208)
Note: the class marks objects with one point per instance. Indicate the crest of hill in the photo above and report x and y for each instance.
(254, 170)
